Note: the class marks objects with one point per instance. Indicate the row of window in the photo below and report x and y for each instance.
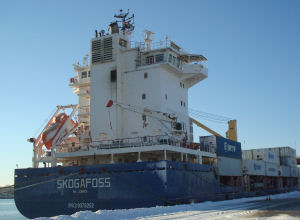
(160, 58)
(85, 74)
(182, 103)
(155, 59)
(146, 76)
(175, 61)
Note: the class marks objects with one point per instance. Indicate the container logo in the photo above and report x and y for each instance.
(257, 167)
(228, 147)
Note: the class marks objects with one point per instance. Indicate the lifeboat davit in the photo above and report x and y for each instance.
(51, 132)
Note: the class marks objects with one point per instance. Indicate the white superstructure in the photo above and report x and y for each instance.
(148, 84)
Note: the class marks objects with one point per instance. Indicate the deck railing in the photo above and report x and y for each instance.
(133, 143)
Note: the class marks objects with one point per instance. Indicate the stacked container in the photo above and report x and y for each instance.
(287, 157)
(254, 167)
(284, 171)
(280, 161)
(266, 158)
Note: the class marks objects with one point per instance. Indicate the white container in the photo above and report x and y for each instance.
(254, 167)
(285, 171)
(247, 155)
(294, 171)
(287, 152)
(288, 161)
(271, 169)
(266, 154)
(227, 166)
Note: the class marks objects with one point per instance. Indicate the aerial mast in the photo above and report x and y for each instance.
(127, 23)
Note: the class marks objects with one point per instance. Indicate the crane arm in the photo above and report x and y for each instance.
(148, 112)
(204, 127)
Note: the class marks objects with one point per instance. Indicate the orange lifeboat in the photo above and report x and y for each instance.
(50, 133)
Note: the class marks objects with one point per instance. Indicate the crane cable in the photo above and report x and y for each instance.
(209, 116)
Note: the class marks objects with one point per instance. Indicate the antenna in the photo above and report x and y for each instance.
(127, 22)
(85, 60)
(149, 37)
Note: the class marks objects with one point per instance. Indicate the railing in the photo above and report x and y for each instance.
(73, 147)
(134, 143)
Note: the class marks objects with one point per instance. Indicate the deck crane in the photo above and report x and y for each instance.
(176, 127)
(231, 133)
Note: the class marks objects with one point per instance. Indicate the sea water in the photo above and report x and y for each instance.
(9, 211)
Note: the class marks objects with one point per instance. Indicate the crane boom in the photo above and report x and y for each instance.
(231, 134)
(204, 127)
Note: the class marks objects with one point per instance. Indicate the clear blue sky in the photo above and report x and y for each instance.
(253, 51)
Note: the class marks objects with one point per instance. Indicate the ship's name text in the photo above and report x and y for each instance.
(83, 183)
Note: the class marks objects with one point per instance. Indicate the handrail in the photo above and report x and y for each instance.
(133, 143)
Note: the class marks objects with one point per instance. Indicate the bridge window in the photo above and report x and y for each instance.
(159, 58)
(150, 60)
(83, 74)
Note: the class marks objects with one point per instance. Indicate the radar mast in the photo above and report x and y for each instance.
(127, 23)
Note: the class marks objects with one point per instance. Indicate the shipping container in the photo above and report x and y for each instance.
(247, 155)
(287, 152)
(271, 169)
(253, 167)
(227, 166)
(284, 171)
(224, 147)
(294, 171)
(288, 161)
(266, 154)
(298, 168)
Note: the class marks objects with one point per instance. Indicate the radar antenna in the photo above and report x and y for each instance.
(149, 35)
(127, 22)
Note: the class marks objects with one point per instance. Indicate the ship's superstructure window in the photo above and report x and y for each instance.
(166, 96)
(159, 58)
(143, 96)
(150, 60)
(113, 75)
(89, 73)
(175, 61)
(145, 75)
(83, 74)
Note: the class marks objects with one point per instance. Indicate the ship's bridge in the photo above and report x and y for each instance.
(190, 67)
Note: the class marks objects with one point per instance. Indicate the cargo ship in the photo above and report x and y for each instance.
(129, 141)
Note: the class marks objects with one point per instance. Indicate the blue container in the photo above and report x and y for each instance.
(223, 146)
